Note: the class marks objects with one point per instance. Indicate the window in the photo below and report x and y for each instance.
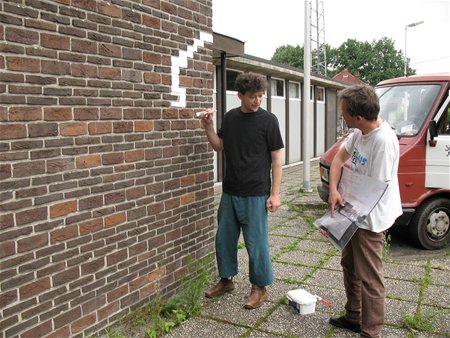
(231, 80)
(444, 123)
(320, 94)
(294, 90)
(277, 87)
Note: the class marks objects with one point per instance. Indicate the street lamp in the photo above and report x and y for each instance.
(406, 29)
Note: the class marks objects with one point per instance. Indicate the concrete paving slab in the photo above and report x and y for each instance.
(403, 271)
(401, 289)
(204, 327)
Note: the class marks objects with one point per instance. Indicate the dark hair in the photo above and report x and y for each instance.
(361, 101)
(251, 82)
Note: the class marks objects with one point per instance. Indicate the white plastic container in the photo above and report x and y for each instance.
(302, 301)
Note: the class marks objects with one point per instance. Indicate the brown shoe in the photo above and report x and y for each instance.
(257, 297)
(220, 288)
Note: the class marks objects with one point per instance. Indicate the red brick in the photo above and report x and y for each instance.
(92, 266)
(59, 165)
(152, 77)
(73, 129)
(57, 113)
(189, 198)
(34, 288)
(63, 234)
(25, 113)
(115, 219)
(123, 127)
(100, 128)
(88, 161)
(40, 330)
(112, 158)
(43, 129)
(84, 46)
(186, 81)
(201, 177)
(172, 203)
(22, 36)
(109, 73)
(107, 311)
(32, 242)
(63, 332)
(55, 41)
(117, 293)
(90, 202)
(23, 64)
(7, 297)
(187, 180)
(55, 67)
(7, 249)
(109, 10)
(110, 50)
(90, 226)
(63, 209)
(134, 155)
(12, 131)
(66, 276)
(5, 171)
(6, 221)
(85, 113)
(32, 215)
(143, 126)
(83, 322)
(151, 21)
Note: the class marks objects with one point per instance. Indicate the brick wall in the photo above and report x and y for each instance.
(106, 182)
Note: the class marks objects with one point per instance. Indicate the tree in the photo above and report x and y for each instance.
(374, 61)
(289, 55)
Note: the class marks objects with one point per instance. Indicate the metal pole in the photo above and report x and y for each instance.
(306, 132)
(406, 28)
(406, 60)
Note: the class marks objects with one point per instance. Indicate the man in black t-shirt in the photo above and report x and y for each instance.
(251, 141)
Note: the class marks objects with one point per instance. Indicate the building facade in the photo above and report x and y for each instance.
(106, 180)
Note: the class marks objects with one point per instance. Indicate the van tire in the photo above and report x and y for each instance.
(429, 227)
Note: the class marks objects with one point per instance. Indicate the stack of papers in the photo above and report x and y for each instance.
(358, 204)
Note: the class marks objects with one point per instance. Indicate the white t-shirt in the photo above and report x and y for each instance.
(376, 154)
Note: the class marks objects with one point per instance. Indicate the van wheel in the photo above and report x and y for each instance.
(429, 227)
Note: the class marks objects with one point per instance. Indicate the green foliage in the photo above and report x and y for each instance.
(289, 55)
(386, 247)
(374, 62)
(422, 321)
(163, 315)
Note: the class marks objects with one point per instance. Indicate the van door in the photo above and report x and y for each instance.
(437, 168)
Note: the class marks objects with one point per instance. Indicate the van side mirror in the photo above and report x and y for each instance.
(432, 129)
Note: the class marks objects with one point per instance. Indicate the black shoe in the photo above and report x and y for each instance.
(342, 322)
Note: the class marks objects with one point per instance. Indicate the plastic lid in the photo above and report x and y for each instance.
(301, 296)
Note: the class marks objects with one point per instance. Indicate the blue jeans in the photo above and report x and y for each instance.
(250, 215)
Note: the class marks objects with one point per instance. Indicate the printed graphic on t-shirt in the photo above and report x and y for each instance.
(358, 158)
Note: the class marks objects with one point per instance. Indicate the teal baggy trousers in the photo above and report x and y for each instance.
(248, 213)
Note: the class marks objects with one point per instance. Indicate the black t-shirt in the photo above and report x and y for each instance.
(248, 139)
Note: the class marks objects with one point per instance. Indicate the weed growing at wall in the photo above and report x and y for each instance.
(162, 316)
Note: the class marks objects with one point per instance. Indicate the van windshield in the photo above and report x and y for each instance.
(407, 107)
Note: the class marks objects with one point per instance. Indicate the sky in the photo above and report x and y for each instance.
(265, 25)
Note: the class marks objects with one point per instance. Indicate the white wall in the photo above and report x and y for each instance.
(320, 129)
(295, 131)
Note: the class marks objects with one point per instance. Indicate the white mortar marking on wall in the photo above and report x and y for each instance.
(181, 61)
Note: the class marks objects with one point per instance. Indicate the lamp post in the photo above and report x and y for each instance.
(406, 29)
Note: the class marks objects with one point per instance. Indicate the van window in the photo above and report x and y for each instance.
(405, 108)
(444, 123)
